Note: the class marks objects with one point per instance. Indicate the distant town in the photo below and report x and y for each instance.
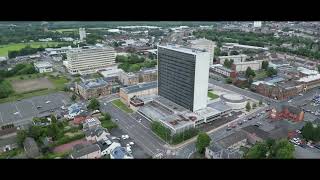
(160, 90)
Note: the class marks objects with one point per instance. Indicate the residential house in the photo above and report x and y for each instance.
(107, 146)
(96, 134)
(8, 144)
(79, 120)
(31, 148)
(91, 123)
(120, 153)
(81, 151)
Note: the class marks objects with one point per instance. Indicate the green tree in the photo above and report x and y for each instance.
(203, 141)
(228, 80)
(265, 65)
(94, 104)
(248, 106)
(250, 72)
(21, 136)
(271, 72)
(258, 151)
(284, 149)
(73, 97)
(307, 130)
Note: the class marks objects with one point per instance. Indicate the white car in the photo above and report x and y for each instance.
(125, 137)
(48, 102)
(300, 94)
(129, 150)
(298, 131)
(131, 143)
(16, 113)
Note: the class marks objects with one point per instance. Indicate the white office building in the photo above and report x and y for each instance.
(183, 75)
(204, 44)
(82, 34)
(43, 67)
(88, 61)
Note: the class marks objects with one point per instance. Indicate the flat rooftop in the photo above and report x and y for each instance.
(93, 83)
(187, 50)
(42, 64)
(219, 106)
(140, 87)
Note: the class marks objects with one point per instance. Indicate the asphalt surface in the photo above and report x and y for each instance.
(139, 132)
(22, 112)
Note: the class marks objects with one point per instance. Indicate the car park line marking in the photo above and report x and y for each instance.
(1, 117)
(18, 109)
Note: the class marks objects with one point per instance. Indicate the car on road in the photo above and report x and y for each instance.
(105, 104)
(298, 131)
(300, 94)
(47, 102)
(117, 119)
(38, 107)
(16, 113)
(124, 137)
(290, 101)
(240, 123)
(129, 150)
(228, 129)
(131, 143)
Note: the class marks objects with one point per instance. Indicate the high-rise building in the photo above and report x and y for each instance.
(257, 24)
(87, 61)
(82, 34)
(183, 75)
(204, 44)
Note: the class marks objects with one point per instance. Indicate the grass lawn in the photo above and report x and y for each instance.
(59, 83)
(17, 46)
(211, 95)
(53, 155)
(121, 106)
(260, 75)
(11, 153)
(108, 124)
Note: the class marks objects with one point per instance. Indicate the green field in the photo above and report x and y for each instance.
(119, 104)
(212, 95)
(58, 82)
(17, 46)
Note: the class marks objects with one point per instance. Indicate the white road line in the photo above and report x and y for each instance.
(18, 110)
(1, 117)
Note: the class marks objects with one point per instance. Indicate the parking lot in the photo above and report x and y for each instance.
(20, 112)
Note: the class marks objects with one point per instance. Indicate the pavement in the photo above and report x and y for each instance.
(139, 132)
(22, 112)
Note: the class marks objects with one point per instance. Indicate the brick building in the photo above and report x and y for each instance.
(93, 88)
(287, 112)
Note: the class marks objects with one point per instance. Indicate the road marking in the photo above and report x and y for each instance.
(18, 110)
(1, 117)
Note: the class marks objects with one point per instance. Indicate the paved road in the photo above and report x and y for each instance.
(141, 134)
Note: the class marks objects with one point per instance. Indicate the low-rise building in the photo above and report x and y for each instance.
(96, 134)
(31, 148)
(235, 58)
(215, 151)
(43, 67)
(120, 153)
(93, 88)
(8, 144)
(142, 89)
(242, 66)
(223, 71)
(287, 112)
(310, 82)
(145, 75)
(91, 151)
(107, 146)
(91, 123)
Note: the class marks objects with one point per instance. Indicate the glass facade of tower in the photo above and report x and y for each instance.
(176, 76)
